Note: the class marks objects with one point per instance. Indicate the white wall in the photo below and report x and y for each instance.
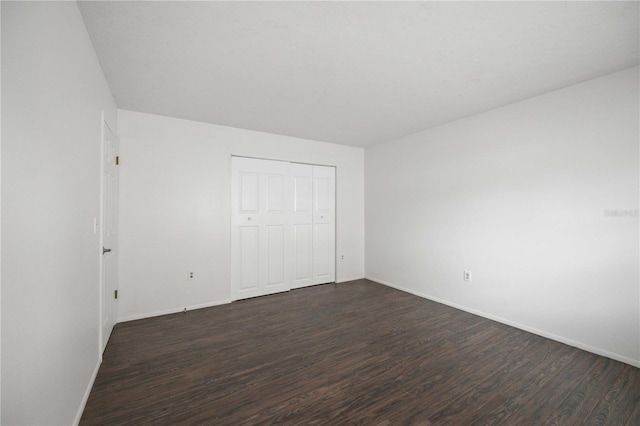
(175, 208)
(517, 196)
(52, 100)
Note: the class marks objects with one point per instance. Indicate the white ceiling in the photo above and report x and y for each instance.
(354, 73)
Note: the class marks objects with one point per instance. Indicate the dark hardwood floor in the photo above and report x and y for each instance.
(351, 353)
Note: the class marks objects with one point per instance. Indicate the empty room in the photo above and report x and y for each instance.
(374, 213)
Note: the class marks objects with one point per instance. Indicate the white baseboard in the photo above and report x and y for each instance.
(172, 311)
(344, 280)
(87, 392)
(200, 306)
(579, 345)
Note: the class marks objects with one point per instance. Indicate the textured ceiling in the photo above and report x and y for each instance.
(354, 73)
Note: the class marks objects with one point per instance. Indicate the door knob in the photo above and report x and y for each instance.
(250, 219)
(105, 250)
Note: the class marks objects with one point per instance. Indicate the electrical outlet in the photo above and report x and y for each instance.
(467, 276)
(190, 276)
(342, 257)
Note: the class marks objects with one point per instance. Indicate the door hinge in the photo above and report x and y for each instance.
(115, 294)
(117, 160)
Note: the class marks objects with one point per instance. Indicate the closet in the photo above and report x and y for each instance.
(282, 226)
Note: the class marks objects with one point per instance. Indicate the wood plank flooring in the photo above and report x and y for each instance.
(352, 353)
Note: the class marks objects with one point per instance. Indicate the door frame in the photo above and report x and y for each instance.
(99, 227)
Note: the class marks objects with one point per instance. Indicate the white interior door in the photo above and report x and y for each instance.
(260, 228)
(302, 222)
(109, 233)
(324, 224)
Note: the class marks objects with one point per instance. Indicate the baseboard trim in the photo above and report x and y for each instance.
(87, 392)
(200, 306)
(173, 311)
(552, 336)
(344, 280)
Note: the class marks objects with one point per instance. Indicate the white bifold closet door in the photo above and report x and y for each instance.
(302, 222)
(274, 199)
(314, 230)
(260, 227)
(324, 224)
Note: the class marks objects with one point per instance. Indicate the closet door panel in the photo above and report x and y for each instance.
(324, 206)
(302, 219)
(277, 228)
(260, 227)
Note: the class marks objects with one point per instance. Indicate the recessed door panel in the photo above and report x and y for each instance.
(249, 257)
(302, 192)
(249, 187)
(302, 249)
(275, 255)
(322, 194)
(322, 259)
(275, 193)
